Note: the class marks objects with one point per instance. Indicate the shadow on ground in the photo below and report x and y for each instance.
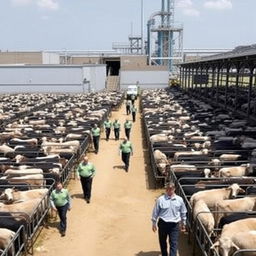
(120, 167)
(80, 196)
(152, 253)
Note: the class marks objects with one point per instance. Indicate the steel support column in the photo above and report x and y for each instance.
(250, 93)
(226, 86)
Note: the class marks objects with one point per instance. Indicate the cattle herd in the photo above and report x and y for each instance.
(209, 154)
(42, 137)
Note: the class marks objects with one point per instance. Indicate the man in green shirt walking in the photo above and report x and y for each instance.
(133, 111)
(107, 126)
(96, 137)
(128, 107)
(61, 202)
(86, 172)
(127, 128)
(126, 150)
(116, 126)
(133, 98)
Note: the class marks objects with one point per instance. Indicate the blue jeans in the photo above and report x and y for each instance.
(170, 230)
(62, 211)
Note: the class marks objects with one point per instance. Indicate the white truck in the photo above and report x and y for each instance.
(132, 90)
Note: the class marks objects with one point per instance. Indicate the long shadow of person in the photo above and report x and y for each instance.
(120, 167)
(152, 253)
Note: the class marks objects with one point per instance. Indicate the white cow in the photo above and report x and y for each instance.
(230, 234)
(33, 179)
(236, 171)
(6, 237)
(161, 161)
(226, 207)
(203, 213)
(229, 157)
(190, 153)
(212, 196)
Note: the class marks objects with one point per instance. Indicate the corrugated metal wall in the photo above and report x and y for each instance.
(146, 79)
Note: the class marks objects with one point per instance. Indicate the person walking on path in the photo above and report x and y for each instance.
(116, 126)
(126, 151)
(127, 128)
(60, 201)
(133, 98)
(86, 172)
(170, 212)
(133, 111)
(128, 107)
(96, 137)
(107, 126)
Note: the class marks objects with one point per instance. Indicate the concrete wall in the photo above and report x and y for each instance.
(147, 79)
(68, 79)
(76, 60)
(21, 58)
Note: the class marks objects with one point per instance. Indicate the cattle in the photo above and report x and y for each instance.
(74, 136)
(33, 179)
(37, 122)
(47, 159)
(226, 207)
(202, 138)
(216, 163)
(235, 217)
(188, 135)
(229, 157)
(73, 143)
(6, 149)
(16, 141)
(161, 161)
(23, 170)
(225, 243)
(190, 153)
(237, 171)
(203, 213)
(28, 207)
(53, 151)
(183, 168)
(11, 195)
(211, 197)
(160, 138)
(6, 237)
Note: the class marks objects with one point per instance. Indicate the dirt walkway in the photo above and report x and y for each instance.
(117, 222)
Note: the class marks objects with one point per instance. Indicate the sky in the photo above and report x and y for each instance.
(95, 24)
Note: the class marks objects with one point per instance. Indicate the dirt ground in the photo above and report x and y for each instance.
(117, 222)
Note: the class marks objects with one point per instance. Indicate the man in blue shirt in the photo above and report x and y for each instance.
(170, 212)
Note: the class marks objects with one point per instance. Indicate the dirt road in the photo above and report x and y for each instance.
(117, 222)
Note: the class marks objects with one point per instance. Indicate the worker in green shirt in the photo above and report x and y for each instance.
(107, 126)
(96, 137)
(128, 107)
(133, 98)
(133, 111)
(61, 202)
(126, 150)
(127, 128)
(86, 172)
(116, 126)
